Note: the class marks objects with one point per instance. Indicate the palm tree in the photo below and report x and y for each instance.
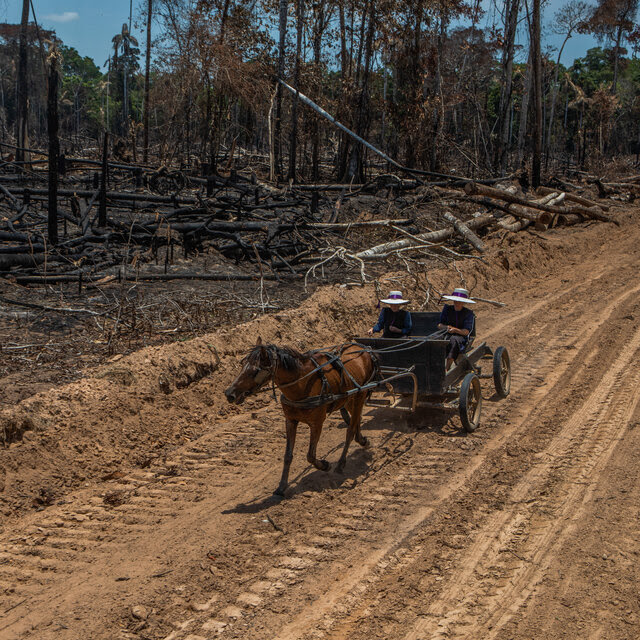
(123, 42)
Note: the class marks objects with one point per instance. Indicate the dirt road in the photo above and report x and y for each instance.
(527, 528)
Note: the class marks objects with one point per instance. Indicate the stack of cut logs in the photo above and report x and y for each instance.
(550, 209)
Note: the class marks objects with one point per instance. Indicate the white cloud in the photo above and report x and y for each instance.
(67, 16)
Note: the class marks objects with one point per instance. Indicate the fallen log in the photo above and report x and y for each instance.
(464, 231)
(622, 185)
(9, 260)
(431, 236)
(512, 209)
(110, 195)
(473, 188)
(546, 219)
(567, 219)
(543, 191)
(510, 223)
(329, 226)
(163, 277)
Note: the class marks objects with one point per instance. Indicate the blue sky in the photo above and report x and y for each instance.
(89, 25)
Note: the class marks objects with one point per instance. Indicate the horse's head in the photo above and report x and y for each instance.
(257, 369)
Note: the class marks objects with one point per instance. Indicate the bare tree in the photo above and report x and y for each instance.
(23, 110)
(610, 22)
(282, 35)
(145, 117)
(567, 20)
(511, 24)
(536, 59)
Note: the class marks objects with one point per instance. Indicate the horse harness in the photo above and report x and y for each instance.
(326, 397)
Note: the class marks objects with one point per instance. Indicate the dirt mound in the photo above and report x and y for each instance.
(136, 408)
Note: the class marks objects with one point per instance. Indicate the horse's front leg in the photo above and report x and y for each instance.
(291, 427)
(315, 428)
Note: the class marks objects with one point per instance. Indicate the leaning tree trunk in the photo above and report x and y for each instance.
(21, 121)
(54, 145)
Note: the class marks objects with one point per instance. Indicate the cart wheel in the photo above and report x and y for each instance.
(470, 402)
(502, 372)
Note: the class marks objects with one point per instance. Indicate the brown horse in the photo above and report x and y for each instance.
(309, 383)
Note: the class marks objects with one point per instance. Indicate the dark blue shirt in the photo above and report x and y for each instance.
(387, 315)
(463, 319)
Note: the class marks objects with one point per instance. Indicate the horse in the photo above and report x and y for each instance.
(313, 385)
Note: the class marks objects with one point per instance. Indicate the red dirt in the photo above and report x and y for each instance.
(136, 503)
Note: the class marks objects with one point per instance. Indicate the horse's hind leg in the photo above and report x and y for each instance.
(314, 436)
(357, 416)
(291, 426)
(352, 431)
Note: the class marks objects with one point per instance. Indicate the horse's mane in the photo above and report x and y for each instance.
(287, 357)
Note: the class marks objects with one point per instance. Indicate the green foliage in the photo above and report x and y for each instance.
(75, 65)
(593, 71)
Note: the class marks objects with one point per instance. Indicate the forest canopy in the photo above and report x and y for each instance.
(425, 82)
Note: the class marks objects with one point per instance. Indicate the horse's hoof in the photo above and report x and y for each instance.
(364, 442)
(340, 469)
(279, 493)
(325, 465)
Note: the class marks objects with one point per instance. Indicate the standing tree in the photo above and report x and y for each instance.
(23, 109)
(572, 16)
(296, 81)
(612, 21)
(54, 144)
(282, 35)
(506, 77)
(145, 117)
(536, 59)
(125, 55)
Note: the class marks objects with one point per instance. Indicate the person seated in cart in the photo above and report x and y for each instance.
(458, 320)
(393, 321)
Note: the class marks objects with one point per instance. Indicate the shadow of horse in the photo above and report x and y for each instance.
(362, 465)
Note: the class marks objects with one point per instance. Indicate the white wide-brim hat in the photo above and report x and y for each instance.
(460, 295)
(395, 297)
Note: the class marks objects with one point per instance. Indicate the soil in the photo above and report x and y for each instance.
(137, 503)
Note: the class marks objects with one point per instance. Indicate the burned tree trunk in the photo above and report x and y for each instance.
(277, 147)
(54, 145)
(23, 111)
(293, 148)
(145, 116)
(102, 210)
(536, 59)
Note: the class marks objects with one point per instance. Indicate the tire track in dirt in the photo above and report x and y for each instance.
(415, 483)
(545, 370)
(160, 492)
(517, 545)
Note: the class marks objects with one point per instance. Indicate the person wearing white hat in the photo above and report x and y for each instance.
(458, 320)
(393, 321)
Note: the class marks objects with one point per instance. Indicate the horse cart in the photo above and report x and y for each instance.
(413, 371)
(316, 383)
